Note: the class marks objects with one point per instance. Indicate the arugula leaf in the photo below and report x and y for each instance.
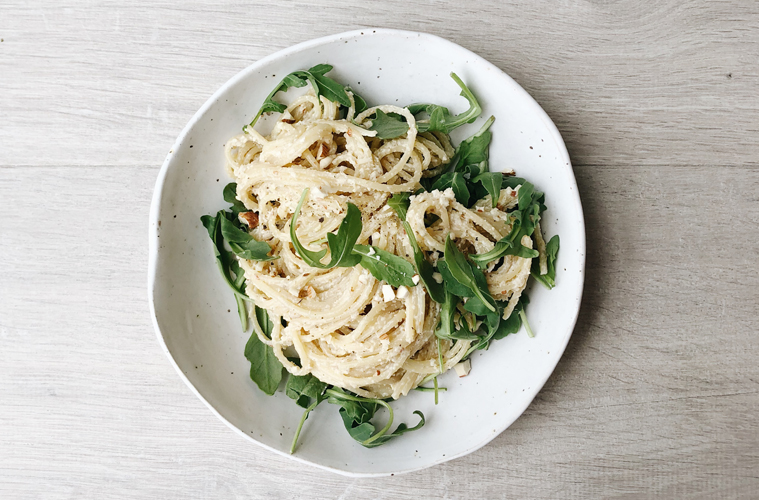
(243, 244)
(320, 69)
(503, 327)
(440, 117)
(263, 320)
(230, 196)
(523, 224)
(451, 285)
(332, 90)
(475, 148)
(322, 85)
(513, 182)
(209, 222)
(523, 317)
(476, 306)
(455, 181)
(467, 275)
(400, 203)
(357, 413)
(359, 101)
(388, 126)
(424, 268)
(446, 328)
(340, 244)
(525, 195)
(400, 430)
(385, 266)
(265, 369)
(468, 175)
(514, 322)
(242, 310)
(224, 258)
(304, 388)
(501, 249)
(294, 79)
(552, 251)
(491, 181)
(473, 169)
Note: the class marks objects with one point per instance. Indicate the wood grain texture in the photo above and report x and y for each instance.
(671, 82)
(657, 395)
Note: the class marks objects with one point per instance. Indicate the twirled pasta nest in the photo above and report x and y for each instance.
(336, 322)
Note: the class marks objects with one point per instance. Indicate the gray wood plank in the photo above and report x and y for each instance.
(669, 82)
(656, 396)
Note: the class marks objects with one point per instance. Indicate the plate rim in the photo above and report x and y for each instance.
(158, 194)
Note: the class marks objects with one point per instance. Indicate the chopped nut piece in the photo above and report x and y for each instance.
(463, 368)
(249, 218)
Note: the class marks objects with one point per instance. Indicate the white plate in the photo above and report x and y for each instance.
(194, 313)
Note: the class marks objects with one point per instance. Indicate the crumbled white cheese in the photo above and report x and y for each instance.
(375, 237)
(402, 292)
(318, 193)
(437, 277)
(387, 293)
(371, 251)
(415, 279)
(463, 368)
(325, 162)
(435, 257)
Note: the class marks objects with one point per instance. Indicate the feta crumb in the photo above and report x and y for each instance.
(371, 251)
(415, 279)
(463, 368)
(437, 277)
(325, 162)
(387, 293)
(402, 292)
(318, 193)
(435, 257)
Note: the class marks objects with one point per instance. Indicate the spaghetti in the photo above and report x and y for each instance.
(342, 325)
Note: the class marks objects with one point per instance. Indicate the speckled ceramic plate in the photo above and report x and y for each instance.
(194, 313)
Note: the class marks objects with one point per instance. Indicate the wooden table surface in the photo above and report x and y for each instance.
(657, 393)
